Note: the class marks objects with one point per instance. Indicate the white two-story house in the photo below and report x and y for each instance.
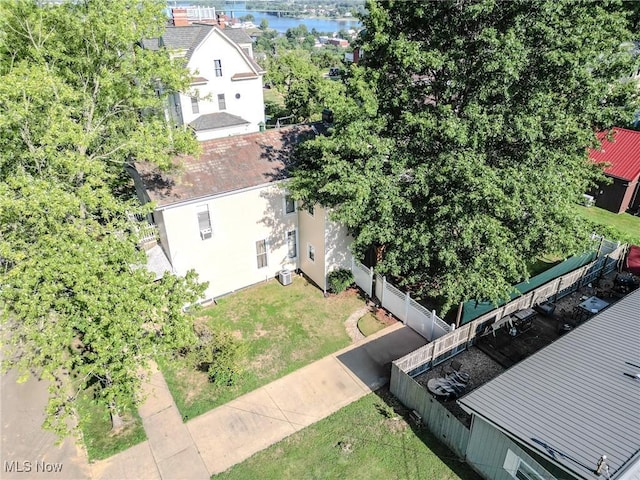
(225, 97)
(227, 214)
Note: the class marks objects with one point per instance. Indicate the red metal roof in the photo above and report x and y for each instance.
(621, 150)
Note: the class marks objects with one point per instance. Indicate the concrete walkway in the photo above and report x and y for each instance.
(169, 452)
(217, 440)
(233, 432)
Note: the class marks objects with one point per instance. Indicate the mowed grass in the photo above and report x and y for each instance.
(620, 227)
(369, 324)
(281, 328)
(360, 442)
(95, 424)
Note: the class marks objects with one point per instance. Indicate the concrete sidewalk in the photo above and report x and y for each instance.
(233, 432)
(169, 452)
(217, 440)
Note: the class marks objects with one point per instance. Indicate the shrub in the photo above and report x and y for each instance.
(339, 280)
(217, 353)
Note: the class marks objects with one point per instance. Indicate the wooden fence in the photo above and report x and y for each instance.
(450, 344)
(442, 423)
(437, 418)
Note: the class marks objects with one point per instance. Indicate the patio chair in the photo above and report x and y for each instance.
(454, 366)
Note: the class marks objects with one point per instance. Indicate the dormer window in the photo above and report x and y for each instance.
(218, 67)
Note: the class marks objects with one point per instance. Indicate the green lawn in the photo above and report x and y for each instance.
(369, 324)
(282, 329)
(359, 441)
(622, 227)
(95, 424)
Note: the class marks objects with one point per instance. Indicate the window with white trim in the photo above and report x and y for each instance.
(194, 105)
(311, 252)
(519, 469)
(261, 253)
(292, 244)
(289, 204)
(222, 103)
(217, 64)
(204, 221)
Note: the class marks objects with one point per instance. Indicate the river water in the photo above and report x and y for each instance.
(281, 24)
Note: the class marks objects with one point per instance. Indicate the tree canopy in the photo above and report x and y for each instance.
(306, 90)
(460, 147)
(80, 100)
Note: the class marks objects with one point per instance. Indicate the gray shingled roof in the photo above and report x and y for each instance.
(216, 120)
(573, 395)
(237, 35)
(189, 37)
(157, 262)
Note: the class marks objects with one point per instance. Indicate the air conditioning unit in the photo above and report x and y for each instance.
(285, 277)
(205, 233)
(588, 200)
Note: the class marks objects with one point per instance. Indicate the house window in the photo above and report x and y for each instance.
(222, 104)
(292, 244)
(311, 252)
(519, 469)
(261, 253)
(204, 221)
(289, 204)
(194, 105)
(310, 210)
(218, 66)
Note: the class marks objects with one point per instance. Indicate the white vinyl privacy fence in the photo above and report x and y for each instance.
(399, 303)
(363, 276)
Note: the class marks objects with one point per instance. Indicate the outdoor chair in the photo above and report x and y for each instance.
(454, 366)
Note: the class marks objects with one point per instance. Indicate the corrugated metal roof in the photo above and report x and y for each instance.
(620, 148)
(573, 396)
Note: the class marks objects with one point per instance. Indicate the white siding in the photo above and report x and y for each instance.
(337, 241)
(249, 105)
(312, 233)
(224, 132)
(228, 259)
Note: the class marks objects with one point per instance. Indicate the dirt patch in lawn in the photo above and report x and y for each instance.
(396, 425)
(196, 380)
(237, 334)
(259, 332)
(264, 364)
(384, 316)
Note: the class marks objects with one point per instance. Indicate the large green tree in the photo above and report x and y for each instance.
(461, 145)
(298, 77)
(80, 100)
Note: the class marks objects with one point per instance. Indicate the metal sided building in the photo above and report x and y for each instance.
(557, 413)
